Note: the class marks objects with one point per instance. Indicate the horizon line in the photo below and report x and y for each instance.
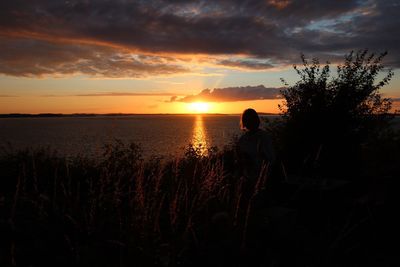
(119, 114)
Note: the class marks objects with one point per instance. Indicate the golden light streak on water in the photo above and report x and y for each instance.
(199, 139)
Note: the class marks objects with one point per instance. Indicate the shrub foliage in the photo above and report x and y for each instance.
(327, 118)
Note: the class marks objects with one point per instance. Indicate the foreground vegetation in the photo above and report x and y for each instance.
(120, 210)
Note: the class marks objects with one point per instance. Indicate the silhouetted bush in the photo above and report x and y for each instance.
(327, 119)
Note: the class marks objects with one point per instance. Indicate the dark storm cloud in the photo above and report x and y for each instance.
(174, 26)
(232, 94)
(275, 31)
(373, 25)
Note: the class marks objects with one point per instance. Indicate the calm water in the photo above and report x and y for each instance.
(156, 134)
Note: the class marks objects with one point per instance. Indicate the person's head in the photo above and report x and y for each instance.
(250, 120)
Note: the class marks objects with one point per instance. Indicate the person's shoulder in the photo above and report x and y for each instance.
(262, 134)
(243, 137)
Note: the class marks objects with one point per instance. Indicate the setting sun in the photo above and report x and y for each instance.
(199, 107)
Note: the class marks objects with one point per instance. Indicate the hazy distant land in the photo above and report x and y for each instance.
(52, 115)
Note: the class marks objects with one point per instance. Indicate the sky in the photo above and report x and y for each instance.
(154, 56)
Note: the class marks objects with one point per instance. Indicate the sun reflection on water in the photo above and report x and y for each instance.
(199, 139)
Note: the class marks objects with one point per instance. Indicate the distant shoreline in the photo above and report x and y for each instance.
(81, 115)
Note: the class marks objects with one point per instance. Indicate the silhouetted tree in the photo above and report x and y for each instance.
(326, 119)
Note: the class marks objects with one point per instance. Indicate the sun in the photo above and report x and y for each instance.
(198, 107)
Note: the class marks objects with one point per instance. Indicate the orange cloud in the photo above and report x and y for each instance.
(279, 4)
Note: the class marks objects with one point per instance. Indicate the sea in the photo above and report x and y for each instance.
(156, 135)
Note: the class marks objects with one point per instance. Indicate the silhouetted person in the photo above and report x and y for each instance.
(254, 148)
(254, 154)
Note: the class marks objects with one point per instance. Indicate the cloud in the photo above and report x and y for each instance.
(171, 83)
(279, 4)
(36, 58)
(99, 37)
(128, 94)
(246, 64)
(231, 94)
(114, 94)
(230, 26)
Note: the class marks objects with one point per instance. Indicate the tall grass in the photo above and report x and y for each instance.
(122, 210)
(153, 211)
